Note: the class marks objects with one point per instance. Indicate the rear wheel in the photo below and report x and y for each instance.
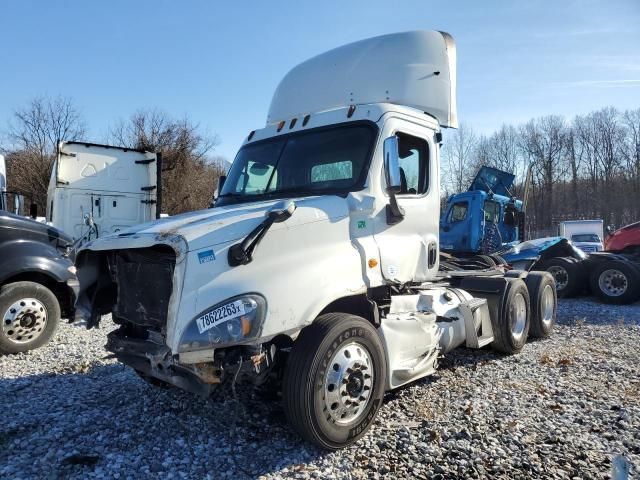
(334, 380)
(615, 282)
(511, 321)
(567, 273)
(542, 293)
(30, 314)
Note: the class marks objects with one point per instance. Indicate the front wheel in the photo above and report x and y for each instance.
(334, 380)
(30, 314)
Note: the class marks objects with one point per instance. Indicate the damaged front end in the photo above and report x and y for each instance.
(141, 288)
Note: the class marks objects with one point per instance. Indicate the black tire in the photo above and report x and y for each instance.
(568, 274)
(310, 366)
(484, 260)
(498, 259)
(544, 303)
(615, 282)
(509, 334)
(27, 325)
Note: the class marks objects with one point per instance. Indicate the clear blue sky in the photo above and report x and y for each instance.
(219, 62)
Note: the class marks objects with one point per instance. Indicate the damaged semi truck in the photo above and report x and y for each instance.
(320, 259)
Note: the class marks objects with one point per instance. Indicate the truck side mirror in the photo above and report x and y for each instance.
(392, 165)
(216, 194)
(33, 210)
(395, 213)
(283, 212)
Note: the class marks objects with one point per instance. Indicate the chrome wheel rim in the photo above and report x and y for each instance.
(547, 305)
(560, 275)
(613, 282)
(518, 316)
(348, 383)
(24, 320)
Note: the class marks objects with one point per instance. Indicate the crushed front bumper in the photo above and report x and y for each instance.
(151, 357)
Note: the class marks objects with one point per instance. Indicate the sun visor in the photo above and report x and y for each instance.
(416, 69)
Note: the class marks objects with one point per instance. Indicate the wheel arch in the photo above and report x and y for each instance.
(63, 293)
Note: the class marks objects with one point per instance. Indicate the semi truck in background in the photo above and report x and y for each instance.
(587, 235)
(487, 223)
(319, 263)
(38, 285)
(114, 187)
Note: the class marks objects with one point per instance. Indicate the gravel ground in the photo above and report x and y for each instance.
(566, 407)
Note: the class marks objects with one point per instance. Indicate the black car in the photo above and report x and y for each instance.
(38, 285)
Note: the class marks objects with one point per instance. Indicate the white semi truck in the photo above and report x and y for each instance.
(320, 258)
(116, 187)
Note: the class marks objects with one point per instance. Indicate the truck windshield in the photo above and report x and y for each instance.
(324, 161)
(585, 237)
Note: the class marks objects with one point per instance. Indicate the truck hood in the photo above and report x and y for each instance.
(491, 179)
(34, 230)
(223, 224)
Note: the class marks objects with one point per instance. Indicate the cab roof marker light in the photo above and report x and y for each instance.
(293, 123)
(305, 120)
(281, 125)
(352, 108)
(251, 134)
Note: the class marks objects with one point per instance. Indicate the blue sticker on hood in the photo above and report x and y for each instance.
(206, 256)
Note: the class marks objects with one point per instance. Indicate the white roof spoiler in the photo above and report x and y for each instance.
(416, 69)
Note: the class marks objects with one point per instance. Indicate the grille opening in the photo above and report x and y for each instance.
(144, 280)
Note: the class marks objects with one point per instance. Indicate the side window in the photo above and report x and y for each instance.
(458, 211)
(491, 211)
(414, 164)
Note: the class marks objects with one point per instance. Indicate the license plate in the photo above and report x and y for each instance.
(219, 315)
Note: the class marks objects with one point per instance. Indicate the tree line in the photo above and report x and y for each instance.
(190, 169)
(586, 167)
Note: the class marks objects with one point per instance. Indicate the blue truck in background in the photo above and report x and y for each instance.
(487, 224)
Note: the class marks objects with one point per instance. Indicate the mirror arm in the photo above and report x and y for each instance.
(242, 253)
(395, 213)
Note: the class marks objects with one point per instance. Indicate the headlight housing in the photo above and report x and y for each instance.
(235, 321)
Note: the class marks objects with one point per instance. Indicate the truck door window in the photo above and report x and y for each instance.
(491, 211)
(414, 164)
(458, 211)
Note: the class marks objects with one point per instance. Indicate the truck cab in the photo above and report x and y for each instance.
(483, 219)
(115, 187)
(320, 258)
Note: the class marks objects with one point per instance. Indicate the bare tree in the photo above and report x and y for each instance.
(457, 153)
(543, 141)
(190, 174)
(33, 134)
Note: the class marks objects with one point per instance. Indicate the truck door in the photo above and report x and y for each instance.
(455, 226)
(409, 248)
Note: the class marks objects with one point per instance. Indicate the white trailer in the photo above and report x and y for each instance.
(320, 258)
(587, 235)
(117, 187)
